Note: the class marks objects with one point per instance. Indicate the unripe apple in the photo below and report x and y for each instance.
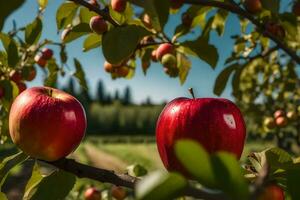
(108, 67)
(291, 115)
(253, 6)
(118, 5)
(153, 56)
(276, 29)
(2, 92)
(215, 123)
(92, 193)
(122, 71)
(272, 192)
(15, 76)
(47, 54)
(21, 86)
(40, 61)
(118, 193)
(281, 121)
(296, 8)
(46, 123)
(98, 24)
(147, 21)
(31, 75)
(172, 71)
(269, 122)
(279, 113)
(169, 61)
(176, 4)
(164, 49)
(186, 20)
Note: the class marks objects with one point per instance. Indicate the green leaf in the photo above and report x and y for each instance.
(223, 77)
(293, 177)
(76, 32)
(119, 43)
(203, 50)
(137, 170)
(43, 3)
(219, 21)
(79, 74)
(229, 173)
(11, 49)
(33, 31)
(85, 15)
(278, 159)
(10, 162)
(197, 163)
(54, 186)
(271, 5)
(51, 80)
(184, 65)
(160, 186)
(11, 92)
(6, 8)
(158, 11)
(65, 14)
(92, 41)
(3, 196)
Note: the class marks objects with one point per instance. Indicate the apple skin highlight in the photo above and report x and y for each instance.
(217, 124)
(47, 123)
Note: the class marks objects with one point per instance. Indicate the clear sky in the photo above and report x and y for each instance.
(156, 84)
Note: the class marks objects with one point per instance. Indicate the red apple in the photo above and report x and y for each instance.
(118, 193)
(21, 86)
(164, 49)
(276, 29)
(46, 123)
(281, 121)
(92, 193)
(118, 5)
(2, 92)
(217, 124)
(253, 6)
(31, 75)
(98, 24)
(279, 113)
(176, 4)
(296, 8)
(272, 192)
(40, 61)
(15, 76)
(108, 67)
(122, 71)
(153, 56)
(47, 54)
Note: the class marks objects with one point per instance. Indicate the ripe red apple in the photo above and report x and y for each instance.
(98, 24)
(216, 123)
(276, 29)
(21, 86)
(122, 71)
(47, 54)
(92, 193)
(272, 192)
(279, 113)
(40, 61)
(176, 4)
(296, 8)
(31, 75)
(253, 6)
(2, 92)
(46, 123)
(118, 5)
(281, 121)
(153, 56)
(164, 49)
(108, 67)
(118, 193)
(15, 76)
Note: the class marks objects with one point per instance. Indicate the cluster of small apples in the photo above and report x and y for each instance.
(280, 119)
(275, 28)
(97, 23)
(166, 55)
(93, 193)
(42, 58)
(117, 71)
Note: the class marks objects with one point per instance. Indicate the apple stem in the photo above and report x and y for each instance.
(192, 92)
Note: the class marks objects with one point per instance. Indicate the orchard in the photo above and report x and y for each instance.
(203, 142)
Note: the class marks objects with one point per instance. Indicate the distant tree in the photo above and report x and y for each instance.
(127, 98)
(100, 92)
(108, 99)
(117, 95)
(148, 101)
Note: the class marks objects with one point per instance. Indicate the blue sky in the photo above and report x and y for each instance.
(156, 84)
